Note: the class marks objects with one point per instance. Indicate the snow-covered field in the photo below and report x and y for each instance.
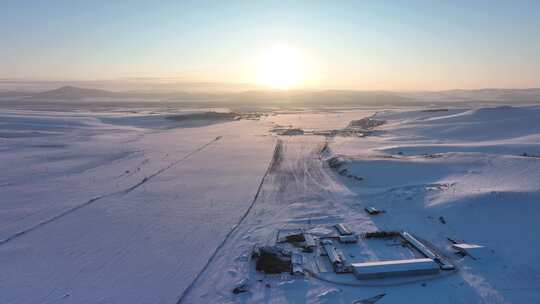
(130, 206)
(94, 212)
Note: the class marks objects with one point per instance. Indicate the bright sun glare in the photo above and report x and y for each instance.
(281, 68)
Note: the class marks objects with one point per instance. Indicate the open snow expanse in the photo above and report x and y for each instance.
(94, 212)
(165, 206)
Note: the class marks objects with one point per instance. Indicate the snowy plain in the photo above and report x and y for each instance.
(129, 206)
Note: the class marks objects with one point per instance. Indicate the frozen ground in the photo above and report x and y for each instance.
(118, 207)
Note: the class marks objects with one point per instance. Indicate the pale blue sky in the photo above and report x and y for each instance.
(349, 44)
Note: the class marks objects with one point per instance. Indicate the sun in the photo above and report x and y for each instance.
(281, 68)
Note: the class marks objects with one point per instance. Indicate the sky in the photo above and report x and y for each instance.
(360, 45)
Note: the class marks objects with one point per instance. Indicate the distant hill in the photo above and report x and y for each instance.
(484, 95)
(330, 97)
(278, 98)
(74, 93)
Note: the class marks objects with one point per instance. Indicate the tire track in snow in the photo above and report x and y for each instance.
(99, 197)
(151, 176)
(274, 162)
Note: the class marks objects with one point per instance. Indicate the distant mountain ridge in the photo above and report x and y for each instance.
(487, 95)
(71, 92)
(327, 97)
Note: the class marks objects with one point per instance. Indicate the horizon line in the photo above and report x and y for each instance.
(234, 86)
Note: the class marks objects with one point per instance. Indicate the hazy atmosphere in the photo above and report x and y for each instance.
(349, 152)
